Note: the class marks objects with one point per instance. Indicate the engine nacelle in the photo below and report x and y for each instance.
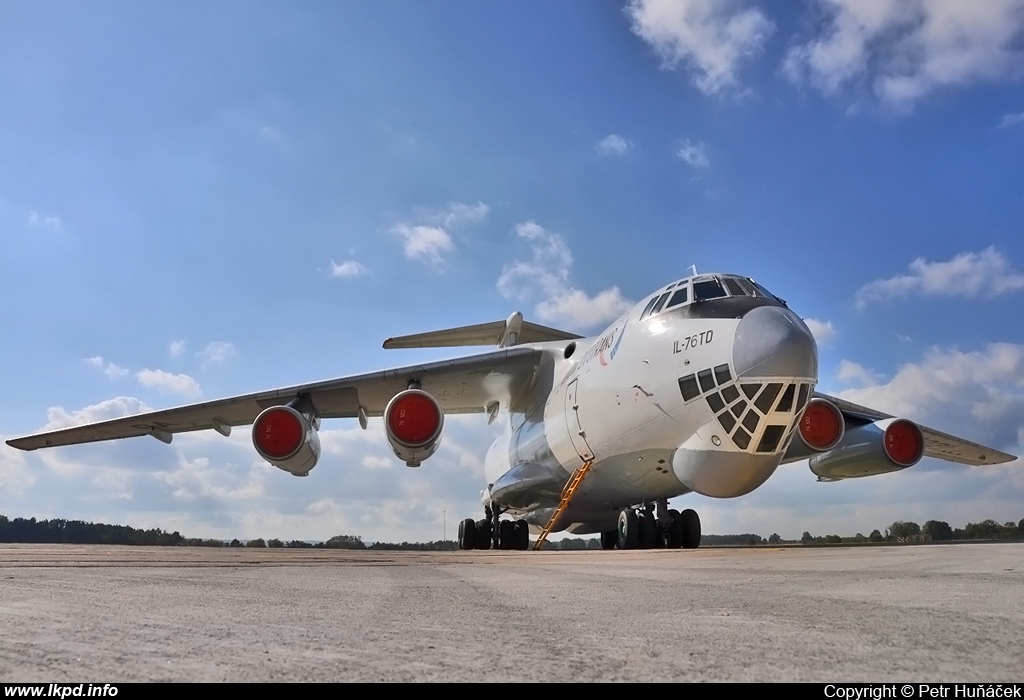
(285, 438)
(876, 448)
(822, 426)
(413, 421)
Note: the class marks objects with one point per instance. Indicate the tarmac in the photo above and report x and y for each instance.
(105, 614)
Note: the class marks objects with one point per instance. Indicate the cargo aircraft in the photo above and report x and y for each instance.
(706, 386)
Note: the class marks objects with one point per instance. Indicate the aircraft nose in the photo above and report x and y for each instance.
(773, 341)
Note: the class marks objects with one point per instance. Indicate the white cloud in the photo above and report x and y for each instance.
(346, 268)
(711, 37)
(113, 371)
(977, 395)
(545, 278)
(968, 275)
(822, 331)
(851, 372)
(176, 348)
(50, 221)
(119, 407)
(612, 145)
(427, 237)
(109, 368)
(696, 154)
(426, 243)
(165, 382)
(899, 51)
(1011, 120)
(216, 352)
(457, 214)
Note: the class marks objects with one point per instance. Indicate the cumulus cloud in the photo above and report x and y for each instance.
(216, 352)
(822, 330)
(971, 275)
(696, 154)
(165, 382)
(176, 348)
(346, 268)
(899, 51)
(544, 278)
(978, 395)
(612, 145)
(427, 237)
(711, 38)
(119, 407)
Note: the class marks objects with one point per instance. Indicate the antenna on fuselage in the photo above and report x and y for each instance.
(693, 270)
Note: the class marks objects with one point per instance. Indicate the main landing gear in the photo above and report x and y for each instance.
(494, 532)
(638, 528)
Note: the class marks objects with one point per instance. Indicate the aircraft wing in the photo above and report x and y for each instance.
(461, 385)
(936, 443)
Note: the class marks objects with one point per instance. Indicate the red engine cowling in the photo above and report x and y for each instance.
(285, 438)
(822, 426)
(413, 421)
(876, 448)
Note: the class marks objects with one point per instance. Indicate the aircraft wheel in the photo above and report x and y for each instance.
(483, 534)
(628, 535)
(609, 539)
(676, 531)
(522, 536)
(691, 529)
(506, 534)
(648, 530)
(467, 534)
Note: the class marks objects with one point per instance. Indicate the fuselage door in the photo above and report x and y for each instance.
(573, 423)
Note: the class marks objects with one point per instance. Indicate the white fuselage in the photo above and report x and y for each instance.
(689, 399)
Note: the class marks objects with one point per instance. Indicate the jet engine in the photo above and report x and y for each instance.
(821, 425)
(285, 437)
(413, 421)
(875, 448)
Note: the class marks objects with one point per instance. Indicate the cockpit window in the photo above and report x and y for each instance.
(681, 296)
(765, 293)
(734, 287)
(660, 303)
(647, 311)
(708, 289)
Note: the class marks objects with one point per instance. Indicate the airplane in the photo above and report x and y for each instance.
(706, 386)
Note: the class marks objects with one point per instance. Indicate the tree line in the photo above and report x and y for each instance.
(60, 531)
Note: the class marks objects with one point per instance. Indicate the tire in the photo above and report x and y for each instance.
(467, 534)
(483, 534)
(609, 539)
(648, 530)
(628, 535)
(522, 536)
(676, 531)
(691, 529)
(506, 534)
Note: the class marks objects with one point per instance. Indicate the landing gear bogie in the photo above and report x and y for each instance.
(638, 528)
(492, 532)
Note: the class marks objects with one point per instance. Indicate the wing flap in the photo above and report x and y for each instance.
(461, 385)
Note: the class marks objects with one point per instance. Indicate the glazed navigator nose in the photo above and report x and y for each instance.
(773, 341)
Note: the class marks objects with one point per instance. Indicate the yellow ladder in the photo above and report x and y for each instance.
(567, 493)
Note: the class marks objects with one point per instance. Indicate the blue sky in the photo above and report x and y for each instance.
(205, 199)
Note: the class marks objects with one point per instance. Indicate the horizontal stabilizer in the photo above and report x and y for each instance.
(512, 331)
